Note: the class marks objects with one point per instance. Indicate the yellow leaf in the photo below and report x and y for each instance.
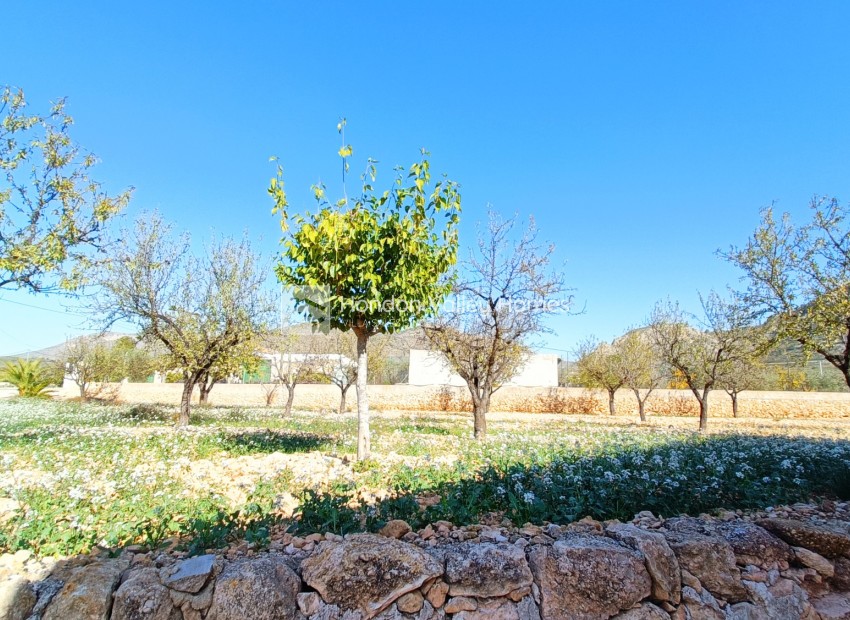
(346, 151)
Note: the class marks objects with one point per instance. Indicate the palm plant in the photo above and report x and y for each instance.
(28, 376)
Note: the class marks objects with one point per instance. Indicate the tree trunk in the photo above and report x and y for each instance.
(641, 404)
(205, 389)
(703, 411)
(290, 397)
(363, 439)
(342, 392)
(734, 397)
(480, 408)
(185, 401)
(612, 409)
(83, 396)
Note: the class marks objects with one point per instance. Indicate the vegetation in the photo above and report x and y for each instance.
(799, 278)
(372, 264)
(60, 462)
(91, 361)
(504, 292)
(52, 213)
(28, 376)
(201, 309)
(601, 365)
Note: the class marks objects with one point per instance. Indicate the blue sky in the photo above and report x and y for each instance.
(641, 136)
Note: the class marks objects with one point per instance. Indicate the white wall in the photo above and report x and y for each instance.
(432, 368)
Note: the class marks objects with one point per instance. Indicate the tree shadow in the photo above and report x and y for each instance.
(269, 441)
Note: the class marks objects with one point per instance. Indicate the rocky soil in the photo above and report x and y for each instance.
(786, 562)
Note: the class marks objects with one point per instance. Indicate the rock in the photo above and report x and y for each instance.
(45, 591)
(527, 609)
(395, 529)
(841, 578)
(460, 603)
(188, 575)
(87, 593)
(495, 609)
(645, 611)
(8, 508)
(437, 594)
(486, 570)
(830, 540)
(785, 599)
(410, 603)
(309, 603)
(834, 606)
(260, 588)
(143, 597)
(700, 606)
(711, 560)
(659, 559)
(576, 574)
(814, 560)
(17, 598)
(754, 545)
(367, 572)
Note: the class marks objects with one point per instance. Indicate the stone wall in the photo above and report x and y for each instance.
(524, 399)
(679, 569)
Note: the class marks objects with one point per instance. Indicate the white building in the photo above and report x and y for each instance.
(432, 368)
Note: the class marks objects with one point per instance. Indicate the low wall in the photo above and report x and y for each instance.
(521, 399)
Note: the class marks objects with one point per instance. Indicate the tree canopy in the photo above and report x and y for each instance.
(52, 213)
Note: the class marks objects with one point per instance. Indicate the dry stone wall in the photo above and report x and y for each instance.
(683, 568)
(778, 405)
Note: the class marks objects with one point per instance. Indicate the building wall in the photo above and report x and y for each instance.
(521, 399)
(432, 368)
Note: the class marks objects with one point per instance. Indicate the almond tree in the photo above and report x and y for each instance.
(504, 291)
(704, 354)
(370, 264)
(601, 365)
(52, 213)
(799, 277)
(200, 308)
(644, 369)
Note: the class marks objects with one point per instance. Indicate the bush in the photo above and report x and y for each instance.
(28, 376)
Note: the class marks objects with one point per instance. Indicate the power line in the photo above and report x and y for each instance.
(20, 303)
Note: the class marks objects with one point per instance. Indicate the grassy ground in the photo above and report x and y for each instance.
(113, 475)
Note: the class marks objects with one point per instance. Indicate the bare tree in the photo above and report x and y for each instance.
(85, 359)
(335, 362)
(744, 374)
(199, 308)
(601, 365)
(503, 293)
(293, 360)
(704, 355)
(644, 370)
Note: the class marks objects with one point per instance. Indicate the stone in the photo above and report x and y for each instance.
(410, 603)
(437, 594)
(644, 611)
(841, 577)
(527, 609)
(395, 529)
(486, 570)
(754, 545)
(17, 598)
(309, 603)
(830, 540)
(814, 560)
(142, 597)
(588, 576)
(460, 603)
(710, 559)
(188, 575)
(496, 609)
(8, 508)
(367, 572)
(834, 606)
(659, 559)
(700, 606)
(260, 588)
(87, 593)
(783, 600)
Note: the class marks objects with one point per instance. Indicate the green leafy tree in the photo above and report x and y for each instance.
(601, 365)
(504, 292)
(200, 308)
(52, 213)
(799, 277)
(28, 376)
(371, 264)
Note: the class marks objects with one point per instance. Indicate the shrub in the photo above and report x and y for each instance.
(28, 376)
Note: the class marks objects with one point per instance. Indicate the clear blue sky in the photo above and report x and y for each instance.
(641, 136)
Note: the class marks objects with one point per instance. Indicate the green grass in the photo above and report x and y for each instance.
(109, 475)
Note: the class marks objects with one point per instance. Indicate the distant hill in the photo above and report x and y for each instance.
(56, 351)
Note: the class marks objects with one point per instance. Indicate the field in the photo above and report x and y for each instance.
(83, 475)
